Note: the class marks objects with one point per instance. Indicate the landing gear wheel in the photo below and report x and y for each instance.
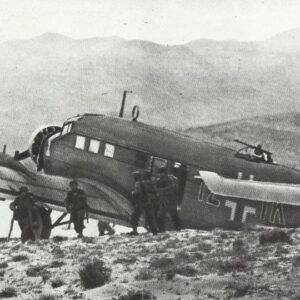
(41, 223)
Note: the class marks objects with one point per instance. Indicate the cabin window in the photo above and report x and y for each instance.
(94, 146)
(80, 142)
(109, 150)
(66, 129)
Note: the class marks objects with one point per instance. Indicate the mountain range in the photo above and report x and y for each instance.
(51, 77)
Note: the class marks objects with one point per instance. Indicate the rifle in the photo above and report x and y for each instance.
(252, 146)
(87, 215)
(11, 226)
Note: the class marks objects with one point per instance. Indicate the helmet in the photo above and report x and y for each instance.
(23, 189)
(73, 182)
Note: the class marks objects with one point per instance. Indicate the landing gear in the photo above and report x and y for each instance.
(42, 223)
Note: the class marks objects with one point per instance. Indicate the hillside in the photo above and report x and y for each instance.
(279, 134)
(51, 77)
(186, 265)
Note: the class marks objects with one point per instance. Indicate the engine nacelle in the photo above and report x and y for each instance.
(37, 143)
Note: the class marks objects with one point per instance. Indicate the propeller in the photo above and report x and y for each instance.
(36, 145)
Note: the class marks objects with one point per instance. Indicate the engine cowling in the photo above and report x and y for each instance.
(37, 143)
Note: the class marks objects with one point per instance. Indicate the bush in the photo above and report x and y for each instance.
(56, 264)
(3, 265)
(2, 272)
(138, 295)
(47, 297)
(144, 274)
(8, 292)
(296, 261)
(94, 273)
(19, 257)
(232, 265)
(238, 247)
(187, 270)
(57, 282)
(162, 263)
(274, 236)
(34, 271)
(59, 239)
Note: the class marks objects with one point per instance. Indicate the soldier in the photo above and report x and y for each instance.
(168, 192)
(144, 195)
(105, 227)
(76, 205)
(22, 207)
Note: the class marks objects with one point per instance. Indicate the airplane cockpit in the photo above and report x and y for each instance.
(254, 153)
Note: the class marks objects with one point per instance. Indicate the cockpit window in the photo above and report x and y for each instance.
(67, 128)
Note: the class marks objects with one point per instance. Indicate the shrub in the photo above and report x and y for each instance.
(94, 273)
(57, 282)
(56, 264)
(296, 261)
(8, 292)
(238, 247)
(34, 271)
(138, 295)
(144, 274)
(187, 270)
(59, 239)
(19, 257)
(231, 265)
(3, 265)
(162, 263)
(2, 272)
(88, 240)
(47, 297)
(46, 275)
(274, 236)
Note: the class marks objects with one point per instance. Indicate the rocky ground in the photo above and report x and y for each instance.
(187, 265)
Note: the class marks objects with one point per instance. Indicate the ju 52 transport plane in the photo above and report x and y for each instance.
(101, 152)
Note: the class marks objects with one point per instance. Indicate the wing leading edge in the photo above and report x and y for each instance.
(104, 202)
(252, 190)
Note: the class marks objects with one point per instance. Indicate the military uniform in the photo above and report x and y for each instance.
(76, 205)
(145, 196)
(23, 213)
(168, 197)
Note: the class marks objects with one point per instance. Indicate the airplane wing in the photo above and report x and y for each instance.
(252, 190)
(105, 203)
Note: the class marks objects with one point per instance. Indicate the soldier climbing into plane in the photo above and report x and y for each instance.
(76, 205)
(144, 196)
(168, 192)
(23, 208)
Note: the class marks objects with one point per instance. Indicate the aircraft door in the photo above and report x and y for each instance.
(180, 171)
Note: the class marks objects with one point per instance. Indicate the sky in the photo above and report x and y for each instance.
(160, 21)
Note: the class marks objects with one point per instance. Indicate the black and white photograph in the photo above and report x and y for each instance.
(150, 150)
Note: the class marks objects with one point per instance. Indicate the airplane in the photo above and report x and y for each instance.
(101, 152)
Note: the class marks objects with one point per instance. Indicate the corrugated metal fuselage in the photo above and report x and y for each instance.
(137, 146)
